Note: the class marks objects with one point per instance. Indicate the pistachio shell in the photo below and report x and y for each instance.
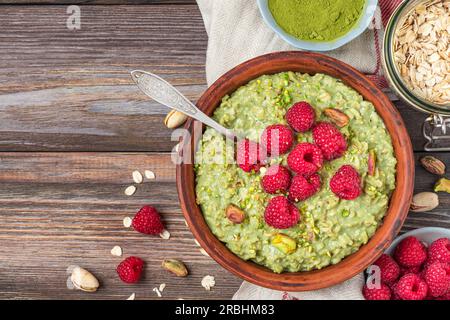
(433, 165)
(84, 280)
(174, 119)
(176, 267)
(424, 201)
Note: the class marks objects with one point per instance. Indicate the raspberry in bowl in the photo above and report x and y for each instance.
(415, 267)
(334, 232)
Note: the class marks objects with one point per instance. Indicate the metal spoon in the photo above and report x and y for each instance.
(163, 92)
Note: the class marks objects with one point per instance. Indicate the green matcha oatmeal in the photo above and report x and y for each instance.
(329, 228)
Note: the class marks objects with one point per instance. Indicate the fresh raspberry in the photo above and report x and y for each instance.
(301, 116)
(281, 214)
(306, 159)
(406, 270)
(148, 221)
(444, 297)
(346, 183)
(437, 277)
(277, 179)
(302, 188)
(249, 155)
(410, 252)
(389, 269)
(429, 297)
(130, 269)
(394, 295)
(411, 287)
(330, 140)
(439, 250)
(277, 139)
(382, 293)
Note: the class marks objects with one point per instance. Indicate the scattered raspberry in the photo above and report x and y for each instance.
(330, 140)
(277, 179)
(411, 287)
(148, 221)
(410, 252)
(130, 269)
(249, 155)
(346, 183)
(277, 139)
(382, 293)
(281, 214)
(439, 251)
(301, 116)
(302, 188)
(390, 271)
(437, 277)
(306, 159)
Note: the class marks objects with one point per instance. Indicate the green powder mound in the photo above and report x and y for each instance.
(316, 20)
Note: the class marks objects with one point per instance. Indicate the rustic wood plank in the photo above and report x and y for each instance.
(64, 90)
(94, 2)
(60, 209)
(424, 181)
(71, 90)
(63, 209)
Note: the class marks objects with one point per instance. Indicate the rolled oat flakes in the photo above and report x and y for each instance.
(422, 51)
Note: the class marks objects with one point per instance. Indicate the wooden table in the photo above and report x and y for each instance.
(73, 128)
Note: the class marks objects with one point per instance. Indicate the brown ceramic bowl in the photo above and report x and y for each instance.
(399, 204)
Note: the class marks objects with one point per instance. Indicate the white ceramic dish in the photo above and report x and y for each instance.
(362, 24)
(426, 235)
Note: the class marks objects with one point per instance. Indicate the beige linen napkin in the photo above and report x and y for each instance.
(237, 33)
(348, 290)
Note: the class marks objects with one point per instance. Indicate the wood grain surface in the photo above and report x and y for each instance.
(95, 2)
(65, 209)
(65, 90)
(70, 91)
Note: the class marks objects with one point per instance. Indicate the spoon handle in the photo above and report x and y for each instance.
(163, 92)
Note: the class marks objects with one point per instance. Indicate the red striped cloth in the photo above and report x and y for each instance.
(387, 7)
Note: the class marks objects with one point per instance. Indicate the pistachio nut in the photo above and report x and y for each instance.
(176, 267)
(433, 165)
(443, 184)
(372, 163)
(337, 117)
(84, 280)
(174, 119)
(424, 201)
(235, 214)
(284, 243)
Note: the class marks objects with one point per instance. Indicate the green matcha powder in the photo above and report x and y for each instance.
(316, 20)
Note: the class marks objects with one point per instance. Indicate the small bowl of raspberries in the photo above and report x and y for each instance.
(415, 267)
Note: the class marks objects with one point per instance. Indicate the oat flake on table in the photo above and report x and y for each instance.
(137, 176)
(208, 282)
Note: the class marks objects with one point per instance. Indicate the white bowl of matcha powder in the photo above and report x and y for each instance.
(318, 25)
